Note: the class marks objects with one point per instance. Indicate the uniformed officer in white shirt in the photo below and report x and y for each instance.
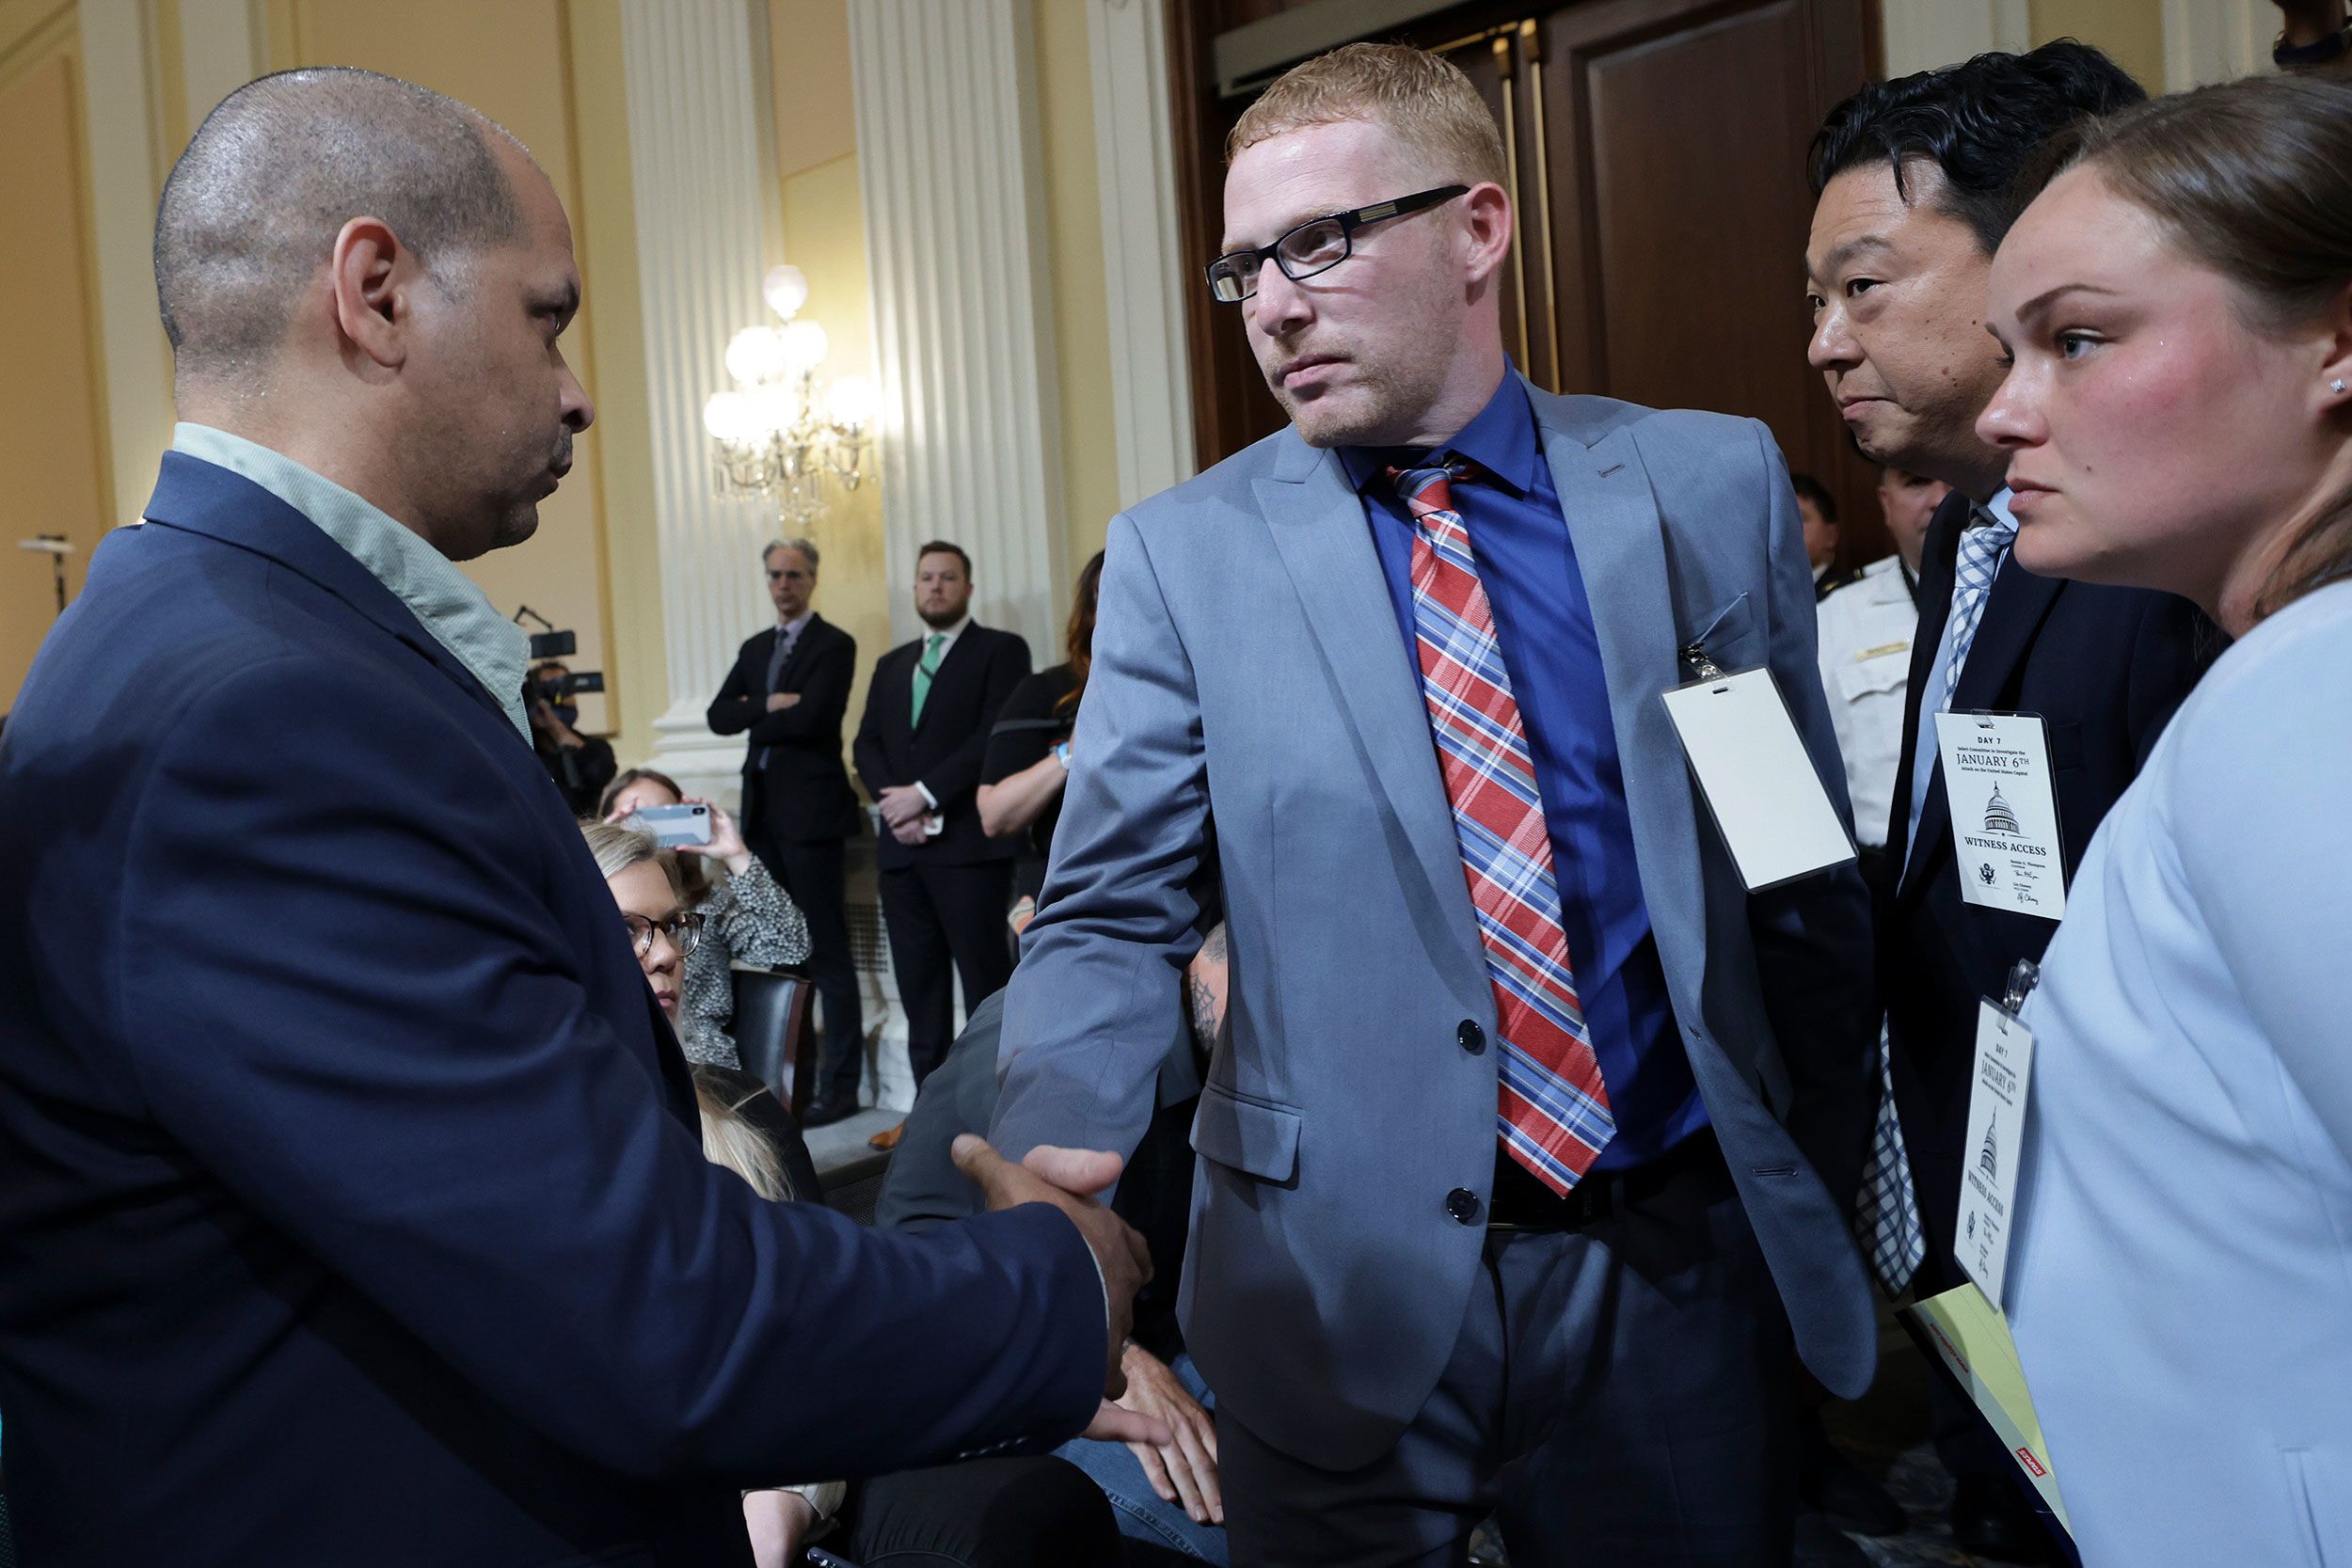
(1866, 632)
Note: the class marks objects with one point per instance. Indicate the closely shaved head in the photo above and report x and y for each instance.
(375, 281)
(250, 214)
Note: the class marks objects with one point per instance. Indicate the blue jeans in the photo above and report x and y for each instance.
(1143, 1516)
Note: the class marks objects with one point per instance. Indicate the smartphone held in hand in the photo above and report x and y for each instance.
(672, 826)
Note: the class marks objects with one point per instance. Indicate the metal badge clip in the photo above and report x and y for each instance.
(1702, 668)
(2023, 977)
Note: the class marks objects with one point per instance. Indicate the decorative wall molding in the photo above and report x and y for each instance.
(1143, 264)
(1923, 34)
(119, 133)
(702, 164)
(949, 159)
(2216, 40)
(223, 45)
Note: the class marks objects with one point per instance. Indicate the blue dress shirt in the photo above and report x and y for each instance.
(1545, 624)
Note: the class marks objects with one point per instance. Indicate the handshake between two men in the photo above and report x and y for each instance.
(1071, 1179)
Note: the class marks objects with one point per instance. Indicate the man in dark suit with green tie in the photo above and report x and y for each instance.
(945, 882)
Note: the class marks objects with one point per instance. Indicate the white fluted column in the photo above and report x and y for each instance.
(1143, 265)
(2216, 40)
(955, 223)
(1922, 34)
(702, 162)
(120, 140)
(223, 45)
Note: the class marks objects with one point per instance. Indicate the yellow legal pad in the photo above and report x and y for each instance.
(1969, 1335)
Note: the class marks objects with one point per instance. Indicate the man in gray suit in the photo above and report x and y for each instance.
(1531, 1142)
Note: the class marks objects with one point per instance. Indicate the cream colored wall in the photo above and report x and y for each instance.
(2131, 31)
(1081, 309)
(612, 328)
(124, 157)
(824, 235)
(809, 54)
(53, 443)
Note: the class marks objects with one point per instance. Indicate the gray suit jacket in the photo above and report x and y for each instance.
(1247, 666)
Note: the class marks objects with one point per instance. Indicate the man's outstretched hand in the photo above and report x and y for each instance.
(1068, 1178)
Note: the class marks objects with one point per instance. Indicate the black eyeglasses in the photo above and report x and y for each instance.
(685, 932)
(1316, 246)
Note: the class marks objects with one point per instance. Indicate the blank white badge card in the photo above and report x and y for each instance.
(1758, 779)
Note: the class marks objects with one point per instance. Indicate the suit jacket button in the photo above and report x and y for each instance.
(1463, 1205)
(1471, 1037)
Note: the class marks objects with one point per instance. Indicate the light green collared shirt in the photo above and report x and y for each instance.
(458, 614)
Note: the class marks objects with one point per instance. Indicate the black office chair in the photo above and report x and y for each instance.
(774, 1034)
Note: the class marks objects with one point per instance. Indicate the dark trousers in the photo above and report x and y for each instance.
(945, 918)
(1621, 1394)
(813, 875)
(1038, 1513)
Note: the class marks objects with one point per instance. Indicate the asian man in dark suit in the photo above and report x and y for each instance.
(945, 882)
(352, 1208)
(1918, 181)
(790, 689)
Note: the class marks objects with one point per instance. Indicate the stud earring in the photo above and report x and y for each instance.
(2337, 385)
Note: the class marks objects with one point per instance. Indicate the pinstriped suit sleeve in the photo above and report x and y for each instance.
(1096, 999)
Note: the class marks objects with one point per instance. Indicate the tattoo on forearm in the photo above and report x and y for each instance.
(1207, 1011)
(1203, 1011)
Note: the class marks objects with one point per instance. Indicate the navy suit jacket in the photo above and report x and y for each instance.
(795, 788)
(351, 1203)
(945, 752)
(2104, 668)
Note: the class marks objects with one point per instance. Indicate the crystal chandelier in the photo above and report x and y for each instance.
(778, 431)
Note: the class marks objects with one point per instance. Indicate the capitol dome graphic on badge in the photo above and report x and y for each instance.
(1998, 817)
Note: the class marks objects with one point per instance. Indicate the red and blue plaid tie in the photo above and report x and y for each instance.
(1554, 1114)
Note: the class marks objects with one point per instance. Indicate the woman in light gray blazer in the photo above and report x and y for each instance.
(2177, 303)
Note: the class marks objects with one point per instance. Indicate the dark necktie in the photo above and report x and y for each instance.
(786, 638)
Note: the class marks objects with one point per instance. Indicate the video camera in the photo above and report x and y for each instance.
(560, 689)
(552, 643)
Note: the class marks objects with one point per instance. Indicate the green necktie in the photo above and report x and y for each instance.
(924, 672)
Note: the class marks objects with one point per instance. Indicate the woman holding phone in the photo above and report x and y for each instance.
(747, 918)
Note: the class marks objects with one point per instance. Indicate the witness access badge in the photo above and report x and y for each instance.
(2004, 818)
